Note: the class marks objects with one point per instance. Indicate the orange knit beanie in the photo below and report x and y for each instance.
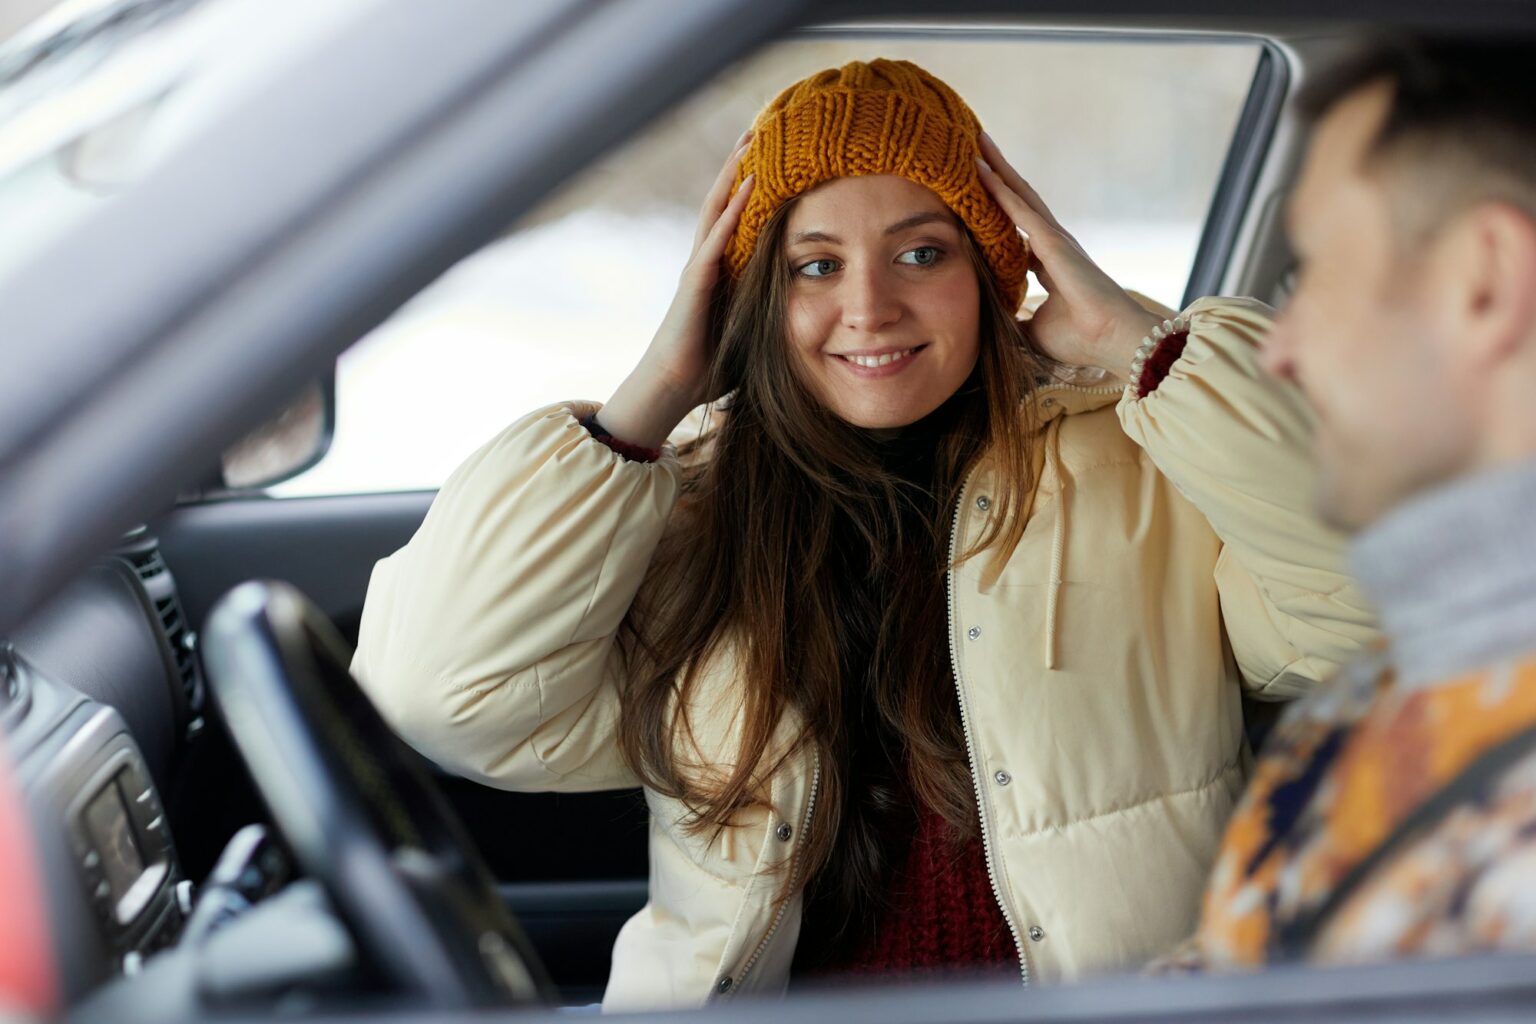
(884, 117)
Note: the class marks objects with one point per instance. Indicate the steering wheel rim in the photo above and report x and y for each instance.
(358, 809)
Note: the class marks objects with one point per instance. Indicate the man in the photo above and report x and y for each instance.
(1394, 813)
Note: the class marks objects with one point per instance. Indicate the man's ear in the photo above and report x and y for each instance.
(1485, 272)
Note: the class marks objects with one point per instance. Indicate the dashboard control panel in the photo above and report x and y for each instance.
(118, 833)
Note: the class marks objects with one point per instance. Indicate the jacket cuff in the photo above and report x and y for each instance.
(1157, 353)
(631, 452)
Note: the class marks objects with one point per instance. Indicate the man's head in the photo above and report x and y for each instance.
(1412, 326)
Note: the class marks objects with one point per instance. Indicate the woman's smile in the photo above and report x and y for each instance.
(876, 363)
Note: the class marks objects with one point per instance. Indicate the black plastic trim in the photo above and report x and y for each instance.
(1240, 173)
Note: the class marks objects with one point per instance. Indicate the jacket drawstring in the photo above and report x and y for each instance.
(1058, 541)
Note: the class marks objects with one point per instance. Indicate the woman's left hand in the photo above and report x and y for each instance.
(1088, 320)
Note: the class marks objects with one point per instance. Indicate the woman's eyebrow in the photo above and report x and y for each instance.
(928, 217)
(814, 236)
(906, 223)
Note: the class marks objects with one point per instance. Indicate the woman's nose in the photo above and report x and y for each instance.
(871, 300)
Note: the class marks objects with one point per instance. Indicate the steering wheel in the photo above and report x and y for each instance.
(358, 809)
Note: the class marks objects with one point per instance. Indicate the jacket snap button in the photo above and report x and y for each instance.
(724, 984)
(983, 502)
(973, 632)
(784, 831)
(1003, 778)
(1036, 933)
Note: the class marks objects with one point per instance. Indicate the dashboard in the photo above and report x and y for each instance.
(101, 708)
(95, 708)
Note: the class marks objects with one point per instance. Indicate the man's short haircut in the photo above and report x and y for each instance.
(1462, 122)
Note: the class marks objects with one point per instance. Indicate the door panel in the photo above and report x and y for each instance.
(326, 547)
(573, 926)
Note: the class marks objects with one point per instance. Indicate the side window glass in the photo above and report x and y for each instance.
(1125, 139)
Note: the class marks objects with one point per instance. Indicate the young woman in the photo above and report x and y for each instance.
(929, 650)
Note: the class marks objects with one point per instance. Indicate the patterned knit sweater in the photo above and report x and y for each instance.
(1453, 575)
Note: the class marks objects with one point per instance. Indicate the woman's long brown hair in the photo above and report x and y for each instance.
(751, 565)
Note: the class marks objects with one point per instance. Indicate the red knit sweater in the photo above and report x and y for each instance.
(942, 917)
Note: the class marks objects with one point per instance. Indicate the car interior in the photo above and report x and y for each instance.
(227, 827)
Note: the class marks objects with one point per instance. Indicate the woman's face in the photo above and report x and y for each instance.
(884, 305)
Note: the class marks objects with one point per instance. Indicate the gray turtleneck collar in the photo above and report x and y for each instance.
(1453, 575)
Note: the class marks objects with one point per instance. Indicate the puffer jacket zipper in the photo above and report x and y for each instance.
(970, 747)
(794, 861)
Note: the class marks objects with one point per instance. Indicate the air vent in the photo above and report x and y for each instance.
(180, 639)
(145, 561)
(143, 553)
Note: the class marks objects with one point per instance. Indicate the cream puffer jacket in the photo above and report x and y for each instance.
(1170, 560)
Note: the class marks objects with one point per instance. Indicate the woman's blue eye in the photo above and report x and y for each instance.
(818, 268)
(922, 256)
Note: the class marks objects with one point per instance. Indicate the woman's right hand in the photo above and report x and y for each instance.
(672, 377)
